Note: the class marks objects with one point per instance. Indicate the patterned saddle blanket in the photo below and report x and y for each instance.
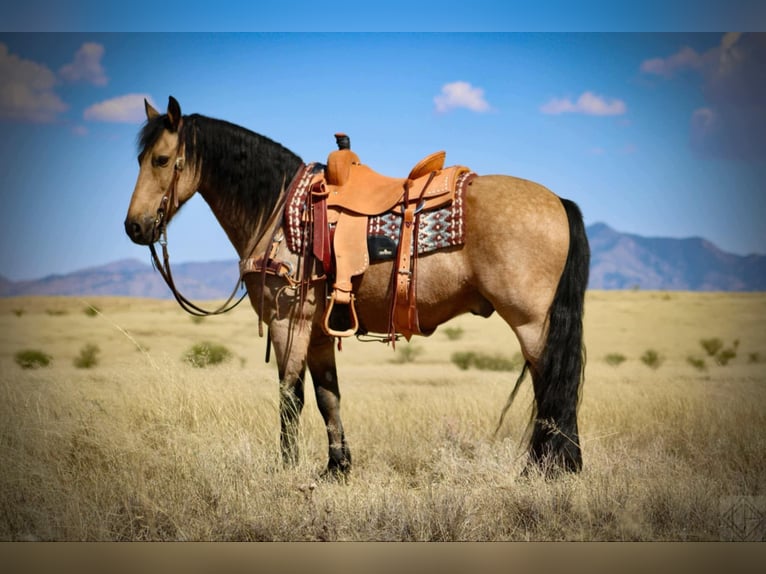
(437, 229)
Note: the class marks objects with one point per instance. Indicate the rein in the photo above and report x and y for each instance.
(164, 268)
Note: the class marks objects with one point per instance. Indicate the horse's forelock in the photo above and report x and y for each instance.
(150, 133)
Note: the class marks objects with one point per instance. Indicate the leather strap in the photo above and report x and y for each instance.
(321, 244)
(404, 314)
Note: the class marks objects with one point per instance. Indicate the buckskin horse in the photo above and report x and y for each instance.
(525, 255)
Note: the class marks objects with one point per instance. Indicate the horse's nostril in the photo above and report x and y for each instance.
(133, 229)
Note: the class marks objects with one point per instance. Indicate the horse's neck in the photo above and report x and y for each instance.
(242, 195)
(248, 229)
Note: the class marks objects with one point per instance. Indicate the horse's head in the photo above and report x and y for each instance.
(164, 181)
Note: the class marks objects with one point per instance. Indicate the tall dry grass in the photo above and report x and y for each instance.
(145, 447)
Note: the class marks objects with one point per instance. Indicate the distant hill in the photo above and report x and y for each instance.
(132, 278)
(626, 261)
(618, 261)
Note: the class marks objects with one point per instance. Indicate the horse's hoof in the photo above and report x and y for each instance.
(336, 473)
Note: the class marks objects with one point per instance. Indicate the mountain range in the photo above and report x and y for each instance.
(618, 261)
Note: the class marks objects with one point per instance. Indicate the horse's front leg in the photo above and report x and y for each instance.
(290, 348)
(321, 362)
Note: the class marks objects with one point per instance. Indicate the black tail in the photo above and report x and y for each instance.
(558, 378)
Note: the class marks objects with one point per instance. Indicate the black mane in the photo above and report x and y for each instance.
(246, 169)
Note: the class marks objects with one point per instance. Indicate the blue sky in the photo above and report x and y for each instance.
(657, 134)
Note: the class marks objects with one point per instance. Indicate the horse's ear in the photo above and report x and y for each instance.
(174, 113)
(151, 113)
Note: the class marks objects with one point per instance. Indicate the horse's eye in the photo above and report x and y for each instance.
(161, 161)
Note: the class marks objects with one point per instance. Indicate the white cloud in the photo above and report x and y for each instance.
(27, 90)
(588, 103)
(461, 95)
(127, 109)
(685, 58)
(86, 66)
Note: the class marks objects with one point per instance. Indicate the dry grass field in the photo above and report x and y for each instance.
(143, 446)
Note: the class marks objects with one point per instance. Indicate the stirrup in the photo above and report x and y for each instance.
(352, 315)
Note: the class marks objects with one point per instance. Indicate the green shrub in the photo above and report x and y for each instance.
(463, 359)
(453, 333)
(697, 363)
(56, 312)
(91, 310)
(32, 359)
(614, 359)
(407, 353)
(725, 355)
(712, 346)
(88, 357)
(483, 362)
(652, 358)
(206, 353)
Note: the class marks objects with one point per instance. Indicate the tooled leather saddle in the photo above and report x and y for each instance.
(344, 197)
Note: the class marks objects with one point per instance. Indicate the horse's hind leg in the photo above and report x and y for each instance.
(553, 345)
(554, 442)
(321, 362)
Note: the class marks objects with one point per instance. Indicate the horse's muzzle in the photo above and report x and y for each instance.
(141, 230)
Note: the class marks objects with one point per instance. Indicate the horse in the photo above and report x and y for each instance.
(525, 256)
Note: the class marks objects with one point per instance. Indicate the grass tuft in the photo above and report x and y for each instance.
(615, 359)
(32, 359)
(88, 357)
(407, 353)
(652, 359)
(206, 353)
(454, 333)
(484, 362)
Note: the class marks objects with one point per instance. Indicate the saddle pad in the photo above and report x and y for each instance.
(438, 229)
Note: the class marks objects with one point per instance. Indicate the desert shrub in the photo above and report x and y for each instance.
(483, 362)
(32, 359)
(91, 310)
(714, 347)
(463, 359)
(453, 333)
(197, 319)
(56, 312)
(407, 353)
(753, 358)
(711, 346)
(725, 355)
(88, 357)
(614, 359)
(697, 362)
(19, 312)
(206, 353)
(652, 358)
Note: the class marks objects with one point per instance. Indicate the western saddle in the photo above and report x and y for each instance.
(343, 198)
